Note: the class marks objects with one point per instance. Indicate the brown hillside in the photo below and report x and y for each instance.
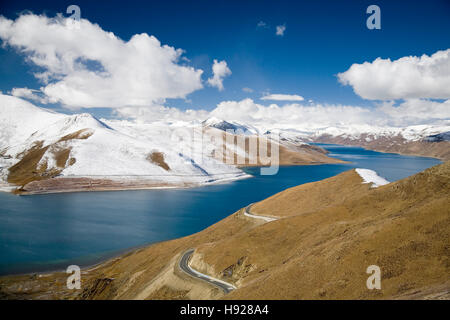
(28, 169)
(318, 250)
(289, 154)
(312, 196)
(402, 227)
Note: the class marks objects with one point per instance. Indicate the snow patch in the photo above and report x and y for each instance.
(370, 176)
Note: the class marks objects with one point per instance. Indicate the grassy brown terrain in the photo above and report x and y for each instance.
(82, 134)
(142, 274)
(328, 233)
(403, 227)
(27, 169)
(158, 158)
(30, 168)
(313, 196)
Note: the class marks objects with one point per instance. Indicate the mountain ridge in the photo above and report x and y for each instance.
(92, 154)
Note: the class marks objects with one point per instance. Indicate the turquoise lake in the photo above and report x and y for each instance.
(48, 232)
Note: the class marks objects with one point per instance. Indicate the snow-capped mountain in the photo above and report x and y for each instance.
(37, 144)
(420, 140)
(410, 133)
(19, 119)
(51, 144)
(366, 132)
(289, 136)
(223, 125)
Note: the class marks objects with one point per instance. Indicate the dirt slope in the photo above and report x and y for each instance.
(403, 228)
(328, 233)
(225, 146)
(312, 196)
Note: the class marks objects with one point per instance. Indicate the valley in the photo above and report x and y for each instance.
(326, 234)
(69, 153)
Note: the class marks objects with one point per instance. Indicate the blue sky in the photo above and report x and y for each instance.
(322, 38)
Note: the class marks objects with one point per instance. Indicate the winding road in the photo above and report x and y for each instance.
(225, 286)
(184, 266)
(248, 214)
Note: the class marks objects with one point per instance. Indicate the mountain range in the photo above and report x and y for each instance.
(44, 151)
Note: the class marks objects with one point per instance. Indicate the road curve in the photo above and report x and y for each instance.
(248, 214)
(184, 266)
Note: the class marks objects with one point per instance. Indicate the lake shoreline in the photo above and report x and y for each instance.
(86, 184)
(129, 264)
(85, 267)
(182, 213)
(97, 185)
(94, 185)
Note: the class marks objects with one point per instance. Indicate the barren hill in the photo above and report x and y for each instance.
(327, 234)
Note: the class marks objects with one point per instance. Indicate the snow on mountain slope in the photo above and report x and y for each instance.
(54, 131)
(37, 144)
(290, 136)
(357, 131)
(411, 133)
(223, 125)
(19, 119)
(50, 144)
(208, 145)
(115, 154)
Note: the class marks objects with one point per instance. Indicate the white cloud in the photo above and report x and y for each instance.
(158, 113)
(220, 71)
(89, 67)
(30, 94)
(410, 112)
(248, 90)
(280, 30)
(287, 115)
(310, 117)
(406, 78)
(416, 111)
(283, 97)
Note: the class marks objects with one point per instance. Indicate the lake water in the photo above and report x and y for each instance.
(48, 232)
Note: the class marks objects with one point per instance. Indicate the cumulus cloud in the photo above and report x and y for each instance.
(248, 90)
(406, 78)
(283, 97)
(90, 67)
(280, 30)
(160, 113)
(416, 111)
(313, 116)
(309, 117)
(290, 114)
(220, 71)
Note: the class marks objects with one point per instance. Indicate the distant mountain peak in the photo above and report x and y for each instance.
(224, 125)
(85, 119)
